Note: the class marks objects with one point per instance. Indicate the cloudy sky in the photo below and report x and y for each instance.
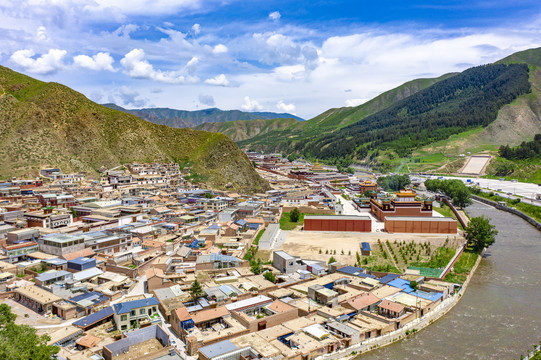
(302, 57)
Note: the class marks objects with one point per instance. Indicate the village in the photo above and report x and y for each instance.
(146, 264)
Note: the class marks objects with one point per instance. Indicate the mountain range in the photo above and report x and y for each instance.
(50, 125)
(482, 108)
(184, 118)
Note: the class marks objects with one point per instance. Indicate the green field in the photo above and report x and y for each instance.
(462, 267)
(287, 224)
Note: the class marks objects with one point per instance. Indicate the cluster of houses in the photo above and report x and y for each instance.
(117, 260)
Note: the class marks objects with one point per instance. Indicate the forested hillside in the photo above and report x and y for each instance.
(526, 150)
(464, 101)
(284, 138)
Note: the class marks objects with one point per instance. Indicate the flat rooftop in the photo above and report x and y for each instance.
(418, 218)
(336, 217)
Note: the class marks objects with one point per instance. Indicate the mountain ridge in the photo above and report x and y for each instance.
(186, 118)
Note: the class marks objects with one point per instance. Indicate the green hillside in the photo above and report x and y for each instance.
(245, 129)
(335, 119)
(50, 125)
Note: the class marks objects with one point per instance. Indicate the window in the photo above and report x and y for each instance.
(154, 309)
(142, 311)
(123, 318)
(124, 327)
(133, 313)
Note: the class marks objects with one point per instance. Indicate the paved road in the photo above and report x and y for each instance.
(526, 190)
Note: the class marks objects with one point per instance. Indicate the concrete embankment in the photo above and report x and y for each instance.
(516, 212)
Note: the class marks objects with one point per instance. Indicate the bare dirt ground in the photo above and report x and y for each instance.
(25, 316)
(140, 350)
(307, 244)
(475, 165)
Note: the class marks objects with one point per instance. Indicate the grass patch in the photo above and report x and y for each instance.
(462, 267)
(447, 212)
(287, 224)
(259, 235)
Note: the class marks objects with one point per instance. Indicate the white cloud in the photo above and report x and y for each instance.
(136, 66)
(250, 105)
(220, 49)
(207, 100)
(196, 28)
(355, 102)
(287, 108)
(191, 66)
(41, 34)
(140, 7)
(275, 15)
(45, 64)
(218, 80)
(100, 61)
(276, 49)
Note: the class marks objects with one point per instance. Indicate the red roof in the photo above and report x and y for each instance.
(20, 246)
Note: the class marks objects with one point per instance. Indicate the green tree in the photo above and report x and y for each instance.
(294, 215)
(414, 285)
(480, 233)
(270, 276)
(332, 260)
(462, 197)
(196, 290)
(6, 316)
(21, 341)
(207, 196)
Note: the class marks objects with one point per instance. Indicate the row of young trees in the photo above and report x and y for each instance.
(455, 189)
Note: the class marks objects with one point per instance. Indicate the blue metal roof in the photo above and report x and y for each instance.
(401, 284)
(351, 270)
(95, 317)
(54, 275)
(241, 222)
(82, 261)
(365, 246)
(387, 278)
(432, 296)
(217, 349)
(127, 307)
(94, 296)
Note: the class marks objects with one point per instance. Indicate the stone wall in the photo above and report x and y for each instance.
(529, 219)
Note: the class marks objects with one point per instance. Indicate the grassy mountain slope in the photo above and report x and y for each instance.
(183, 118)
(515, 122)
(337, 118)
(48, 124)
(245, 129)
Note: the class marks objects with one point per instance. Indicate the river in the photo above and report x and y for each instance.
(499, 316)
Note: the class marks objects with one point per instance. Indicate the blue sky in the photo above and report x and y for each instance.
(284, 56)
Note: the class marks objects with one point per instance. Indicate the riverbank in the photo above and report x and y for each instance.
(408, 329)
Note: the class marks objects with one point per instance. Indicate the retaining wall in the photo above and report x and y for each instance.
(516, 212)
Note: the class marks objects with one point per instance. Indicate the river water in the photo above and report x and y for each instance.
(499, 316)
